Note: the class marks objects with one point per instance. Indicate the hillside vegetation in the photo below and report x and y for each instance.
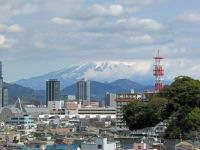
(178, 102)
(26, 94)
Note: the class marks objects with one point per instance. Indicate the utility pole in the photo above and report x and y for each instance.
(196, 139)
(180, 137)
(168, 104)
(160, 144)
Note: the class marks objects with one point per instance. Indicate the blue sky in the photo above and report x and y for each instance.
(38, 36)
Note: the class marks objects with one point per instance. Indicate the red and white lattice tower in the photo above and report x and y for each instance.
(158, 73)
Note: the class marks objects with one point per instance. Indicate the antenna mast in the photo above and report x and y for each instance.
(158, 72)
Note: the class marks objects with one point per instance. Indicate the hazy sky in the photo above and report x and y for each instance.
(40, 36)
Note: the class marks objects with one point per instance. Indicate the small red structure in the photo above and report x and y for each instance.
(158, 73)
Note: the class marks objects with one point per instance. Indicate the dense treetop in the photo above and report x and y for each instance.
(179, 103)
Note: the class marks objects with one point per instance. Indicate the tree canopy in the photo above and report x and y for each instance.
(178, 102)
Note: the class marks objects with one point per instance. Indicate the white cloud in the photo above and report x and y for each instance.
(112, 10)
(58, 20)
(142, 39)
(39, 44)
(181, 67)
(6, 43)
(15, 28)
(25, 9)
(145, 22)
(2, 39)
(11, 8)
(181, 50)
(122, 26)
(140, 2)
(140, 23)
(12, 28)
(121, 21)
(167, 51)
(192, 16)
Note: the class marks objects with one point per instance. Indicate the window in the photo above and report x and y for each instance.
(139, 147)
(99, 146)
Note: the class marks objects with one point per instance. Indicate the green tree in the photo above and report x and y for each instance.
(185, 91)
(139, 115)
(132, 114)
(178, 102)
(192, 120)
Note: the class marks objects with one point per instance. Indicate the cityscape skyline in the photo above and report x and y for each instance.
(38, 37)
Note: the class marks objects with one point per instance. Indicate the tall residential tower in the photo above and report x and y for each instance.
(83, 92)
(52, 90)
(110, 100)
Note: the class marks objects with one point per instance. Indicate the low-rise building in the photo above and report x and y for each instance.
(71, 105)
(9, 136)
(63, 147)
(147, 95)
(36, 144)
(94, 112)
(101, 144)
(141, 146)
(36, 111)
(56, 105)
(22, 122)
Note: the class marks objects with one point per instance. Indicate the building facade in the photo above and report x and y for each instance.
(123, 99)
(4, 97)
(101, 144)
(52, 90)
(110, 100)
(71, 105)
(67, 97)
(1, 85)
(148, 94)
(83, 92)
(22, 122)
(97, 112)
(56, 105)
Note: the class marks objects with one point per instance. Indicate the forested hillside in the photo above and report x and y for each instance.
(178, 102)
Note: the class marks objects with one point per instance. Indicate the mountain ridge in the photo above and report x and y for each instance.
(98, 90)
(108, 71)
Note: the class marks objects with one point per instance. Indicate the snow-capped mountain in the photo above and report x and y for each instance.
(138, 71)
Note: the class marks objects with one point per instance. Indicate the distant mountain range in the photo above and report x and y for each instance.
(97, 71)
(109, 76)
(98, 90)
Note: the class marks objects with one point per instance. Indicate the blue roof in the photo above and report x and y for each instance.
(63, 147)
(22, 148)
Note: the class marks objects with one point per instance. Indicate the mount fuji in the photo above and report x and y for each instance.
(103, 71)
